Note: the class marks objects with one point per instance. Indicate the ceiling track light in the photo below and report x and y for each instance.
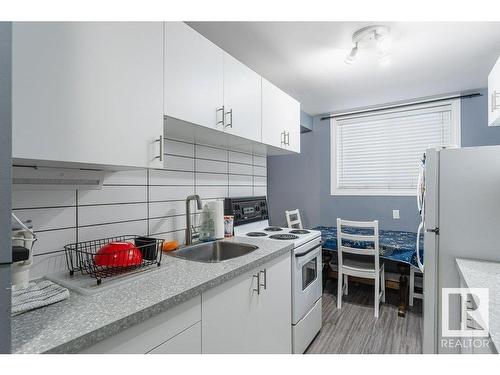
(378, 34)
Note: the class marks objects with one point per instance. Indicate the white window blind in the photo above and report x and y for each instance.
(378, 153)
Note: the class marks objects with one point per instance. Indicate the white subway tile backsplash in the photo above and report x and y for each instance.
(211, 179)
(259, 181)
(179, 148)
(43, 198)
(89, 215)
(137, 202)
(209, 192)
(239, 157)
(164, 193)
(113, 194)
(162, 209)
(260, 190)
(240, 180)
(53, 240)
(240, 191)
(163, 177)
(167, 224)
(240, 168)
(133, 177)
(259, 171)
(211, 166)
(260, 160)
(44, 219)
(139, 228)
(178, 163)
(205, 152)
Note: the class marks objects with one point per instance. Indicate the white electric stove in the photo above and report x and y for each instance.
(251, 220)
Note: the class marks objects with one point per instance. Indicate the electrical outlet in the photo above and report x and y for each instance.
(395, 214)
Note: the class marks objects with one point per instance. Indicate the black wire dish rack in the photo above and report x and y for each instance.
(88, 259)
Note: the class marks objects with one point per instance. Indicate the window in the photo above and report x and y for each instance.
(378, 153)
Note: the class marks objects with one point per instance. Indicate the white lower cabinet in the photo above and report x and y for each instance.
(186, 342)
(248, 314)
(241, 316)
(174, 330)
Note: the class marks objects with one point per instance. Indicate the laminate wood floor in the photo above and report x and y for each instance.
(354, 330)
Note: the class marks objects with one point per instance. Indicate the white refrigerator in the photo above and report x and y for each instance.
(461, 219)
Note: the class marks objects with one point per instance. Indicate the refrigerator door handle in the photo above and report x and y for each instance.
(419, 230)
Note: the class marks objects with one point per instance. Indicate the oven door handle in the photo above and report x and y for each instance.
(308, 251)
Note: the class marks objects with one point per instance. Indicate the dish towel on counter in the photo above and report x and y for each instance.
(37, 294)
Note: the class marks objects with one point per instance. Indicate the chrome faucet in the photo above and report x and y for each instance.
(190, 231)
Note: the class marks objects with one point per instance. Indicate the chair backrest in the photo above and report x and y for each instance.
(293, 219)
(352, 238)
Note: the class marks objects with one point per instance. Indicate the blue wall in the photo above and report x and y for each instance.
(303, 181)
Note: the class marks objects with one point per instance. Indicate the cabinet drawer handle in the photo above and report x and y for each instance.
(161, 148)
(258, 282)
(230, 123)
(217, 112)
(494, 97)
(264, 271)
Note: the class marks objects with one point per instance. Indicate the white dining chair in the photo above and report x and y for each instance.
(293, 219)
(369, 268)
(415, 282)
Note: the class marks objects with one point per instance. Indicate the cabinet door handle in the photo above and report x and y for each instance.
(494, 105)
(264, 271)
(258, 282)
(230, 123)
(282, 138)
(288, 138)
(161, 148)
(216, 113)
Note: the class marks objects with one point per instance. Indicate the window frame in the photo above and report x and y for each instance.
(455, 106)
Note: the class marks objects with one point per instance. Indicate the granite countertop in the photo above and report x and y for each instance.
(82, 320)
(484, 274)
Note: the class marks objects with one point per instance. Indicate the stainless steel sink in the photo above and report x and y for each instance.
(213, 252)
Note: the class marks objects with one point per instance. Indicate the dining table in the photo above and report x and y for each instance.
(396, 246)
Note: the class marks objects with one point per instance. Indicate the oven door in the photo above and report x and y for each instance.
(307, 279)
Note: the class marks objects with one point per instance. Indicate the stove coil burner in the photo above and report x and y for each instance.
(256, 234)
(299, 231)
(273, 229)
(284, 236)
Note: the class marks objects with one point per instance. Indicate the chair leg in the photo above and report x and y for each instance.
(383, 284)
(377, 294)
(412, 287)
(339, 290)
(346, 284)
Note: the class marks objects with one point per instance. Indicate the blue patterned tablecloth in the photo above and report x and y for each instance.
(394, 245)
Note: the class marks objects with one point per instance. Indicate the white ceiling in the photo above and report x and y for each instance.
(306, 59)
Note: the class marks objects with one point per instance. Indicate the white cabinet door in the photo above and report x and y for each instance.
(194, 76)
(275, 307)
(242, 100)
(88, 92)
(494, 95)
(230, 317)
(280, 118)
(186, 342)
(158, 330)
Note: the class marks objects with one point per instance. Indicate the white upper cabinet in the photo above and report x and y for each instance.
(242, 100)
(88, 92)
(194, 76)
(494, 95)
(280, 118)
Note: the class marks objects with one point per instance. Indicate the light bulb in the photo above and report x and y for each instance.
(351, 57)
